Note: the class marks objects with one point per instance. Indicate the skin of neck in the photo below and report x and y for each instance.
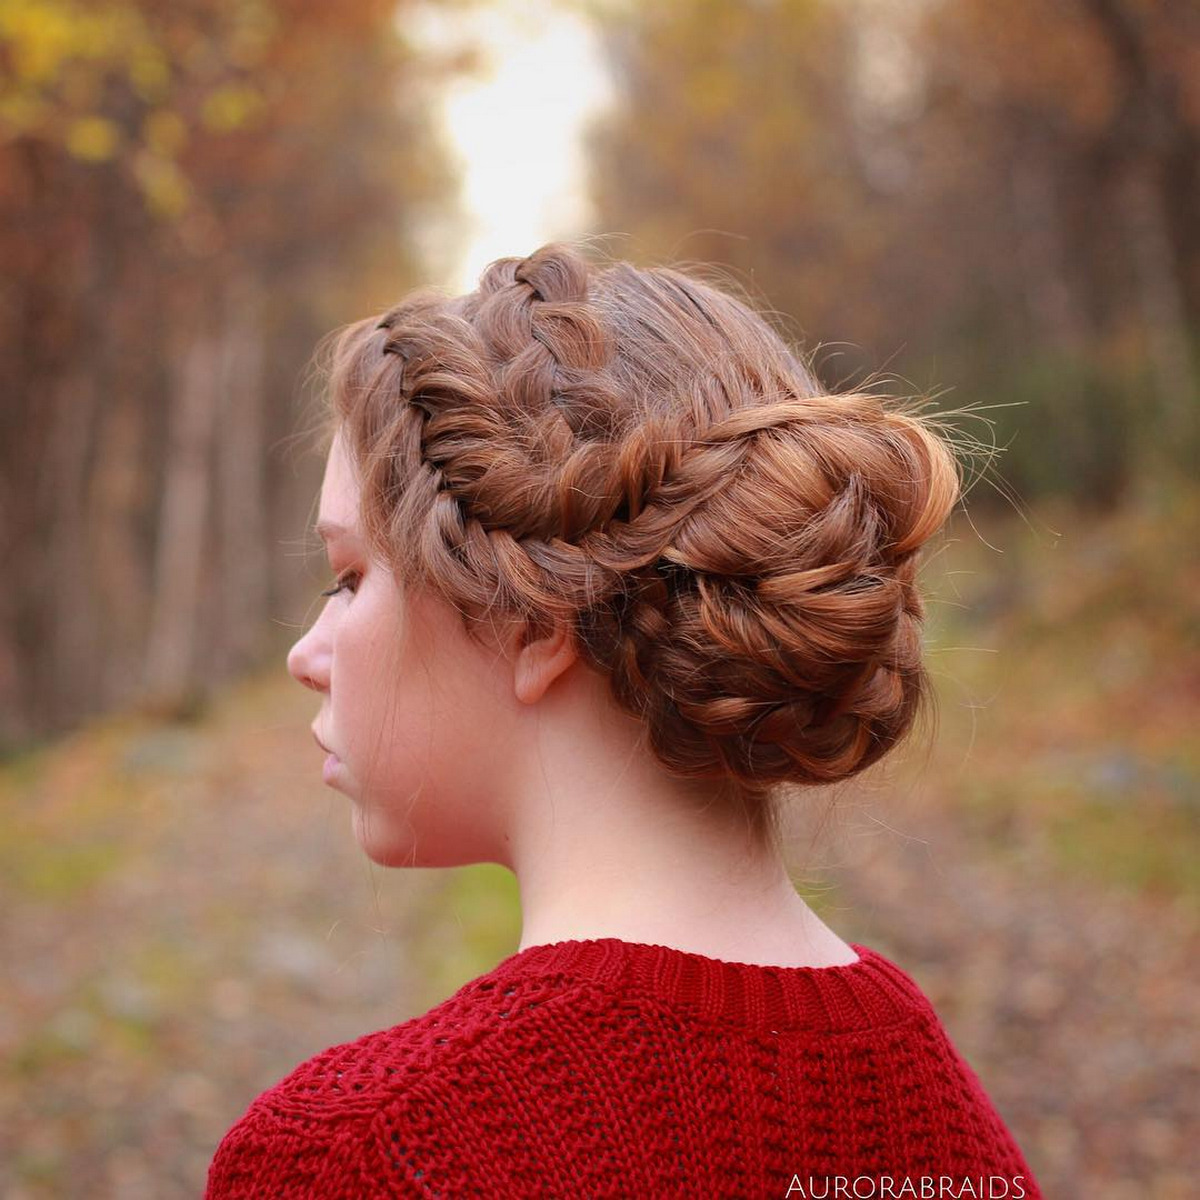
(604, 842)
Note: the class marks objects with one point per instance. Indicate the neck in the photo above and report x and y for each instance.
(607, 844)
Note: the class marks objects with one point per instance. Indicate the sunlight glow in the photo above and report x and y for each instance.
(517, 128)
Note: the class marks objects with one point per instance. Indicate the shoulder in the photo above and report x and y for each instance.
(336, 1124)
(356, 1077)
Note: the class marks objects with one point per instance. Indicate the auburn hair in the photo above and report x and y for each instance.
(637, 453)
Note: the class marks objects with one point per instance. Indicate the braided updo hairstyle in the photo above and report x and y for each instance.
(636, 453)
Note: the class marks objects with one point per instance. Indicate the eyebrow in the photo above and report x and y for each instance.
(326, 530)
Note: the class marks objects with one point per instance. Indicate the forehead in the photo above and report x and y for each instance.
(339, 490)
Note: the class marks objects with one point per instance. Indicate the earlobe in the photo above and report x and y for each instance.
(540, 661)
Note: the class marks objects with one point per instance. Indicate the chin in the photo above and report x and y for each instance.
(406, 847)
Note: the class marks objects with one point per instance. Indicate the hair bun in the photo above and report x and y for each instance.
(785, 643)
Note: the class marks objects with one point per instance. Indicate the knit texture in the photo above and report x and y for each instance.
(606, 1068)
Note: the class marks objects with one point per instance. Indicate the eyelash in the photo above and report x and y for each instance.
(341, 583)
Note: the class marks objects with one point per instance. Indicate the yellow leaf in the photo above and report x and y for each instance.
(93, 139)
(39, 38)
(230, 107)
(149, 72)
(21, 114)
(163, 184)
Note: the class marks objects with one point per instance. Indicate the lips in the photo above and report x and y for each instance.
(332, 762)
(329, 769)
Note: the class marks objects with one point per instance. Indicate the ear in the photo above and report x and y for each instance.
(541, 657)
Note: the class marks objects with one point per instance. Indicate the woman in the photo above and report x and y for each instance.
(611, 572)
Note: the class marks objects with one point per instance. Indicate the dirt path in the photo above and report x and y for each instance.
(1073, 1003)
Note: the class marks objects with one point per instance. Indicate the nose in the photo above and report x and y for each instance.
(308, 662)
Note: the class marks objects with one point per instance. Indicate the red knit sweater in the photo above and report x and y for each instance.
(606, 1068)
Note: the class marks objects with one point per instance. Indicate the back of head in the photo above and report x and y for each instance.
(636, 453)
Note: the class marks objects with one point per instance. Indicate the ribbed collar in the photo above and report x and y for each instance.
(865, 994)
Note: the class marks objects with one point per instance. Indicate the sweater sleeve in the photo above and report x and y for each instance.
(284, 1156)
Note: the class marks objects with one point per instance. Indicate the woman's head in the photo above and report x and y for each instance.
(632, 467)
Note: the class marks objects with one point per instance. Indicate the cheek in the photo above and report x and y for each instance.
(432, 754)
(417, 709)
(363, 673)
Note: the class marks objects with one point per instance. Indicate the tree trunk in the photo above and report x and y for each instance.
(1161, 299)
(1056, 316)
(64, 666)
(243, 552)
(179, 561)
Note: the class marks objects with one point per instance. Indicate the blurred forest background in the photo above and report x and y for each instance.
(994, 204)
